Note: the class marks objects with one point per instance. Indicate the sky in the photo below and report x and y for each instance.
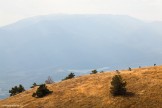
(14, 10)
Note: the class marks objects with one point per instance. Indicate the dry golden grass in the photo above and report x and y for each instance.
(92, 91)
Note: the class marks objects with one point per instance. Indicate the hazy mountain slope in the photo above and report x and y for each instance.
(90, 91)
(34, 48)
(58, 40)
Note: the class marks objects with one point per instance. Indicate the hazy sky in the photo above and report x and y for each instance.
(13, 10)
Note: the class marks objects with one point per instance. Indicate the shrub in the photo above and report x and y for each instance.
(118, 86)
(42, 91)
(49, 80)
(70, 76)
(93, 72)
(16, 90)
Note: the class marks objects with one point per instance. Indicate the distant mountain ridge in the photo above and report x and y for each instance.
(37, 47)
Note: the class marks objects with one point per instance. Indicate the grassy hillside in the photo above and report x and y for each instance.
(92, 91)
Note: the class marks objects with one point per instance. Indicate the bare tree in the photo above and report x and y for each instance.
(49, 80)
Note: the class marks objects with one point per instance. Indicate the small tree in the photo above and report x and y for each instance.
(16, 90)
(93, 72)
(130, 69)
(49, 80)
(118, 86)
(42, 91)
(34, 85)
(70, 76)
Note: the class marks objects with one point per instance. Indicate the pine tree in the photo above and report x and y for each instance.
(93, 72)
(16, 90)
(70, 76)
(130, 69)
(34, 85)
(118, 86)
(42, 91)
(21, 88)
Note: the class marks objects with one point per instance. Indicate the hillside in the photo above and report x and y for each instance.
(92, 91)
